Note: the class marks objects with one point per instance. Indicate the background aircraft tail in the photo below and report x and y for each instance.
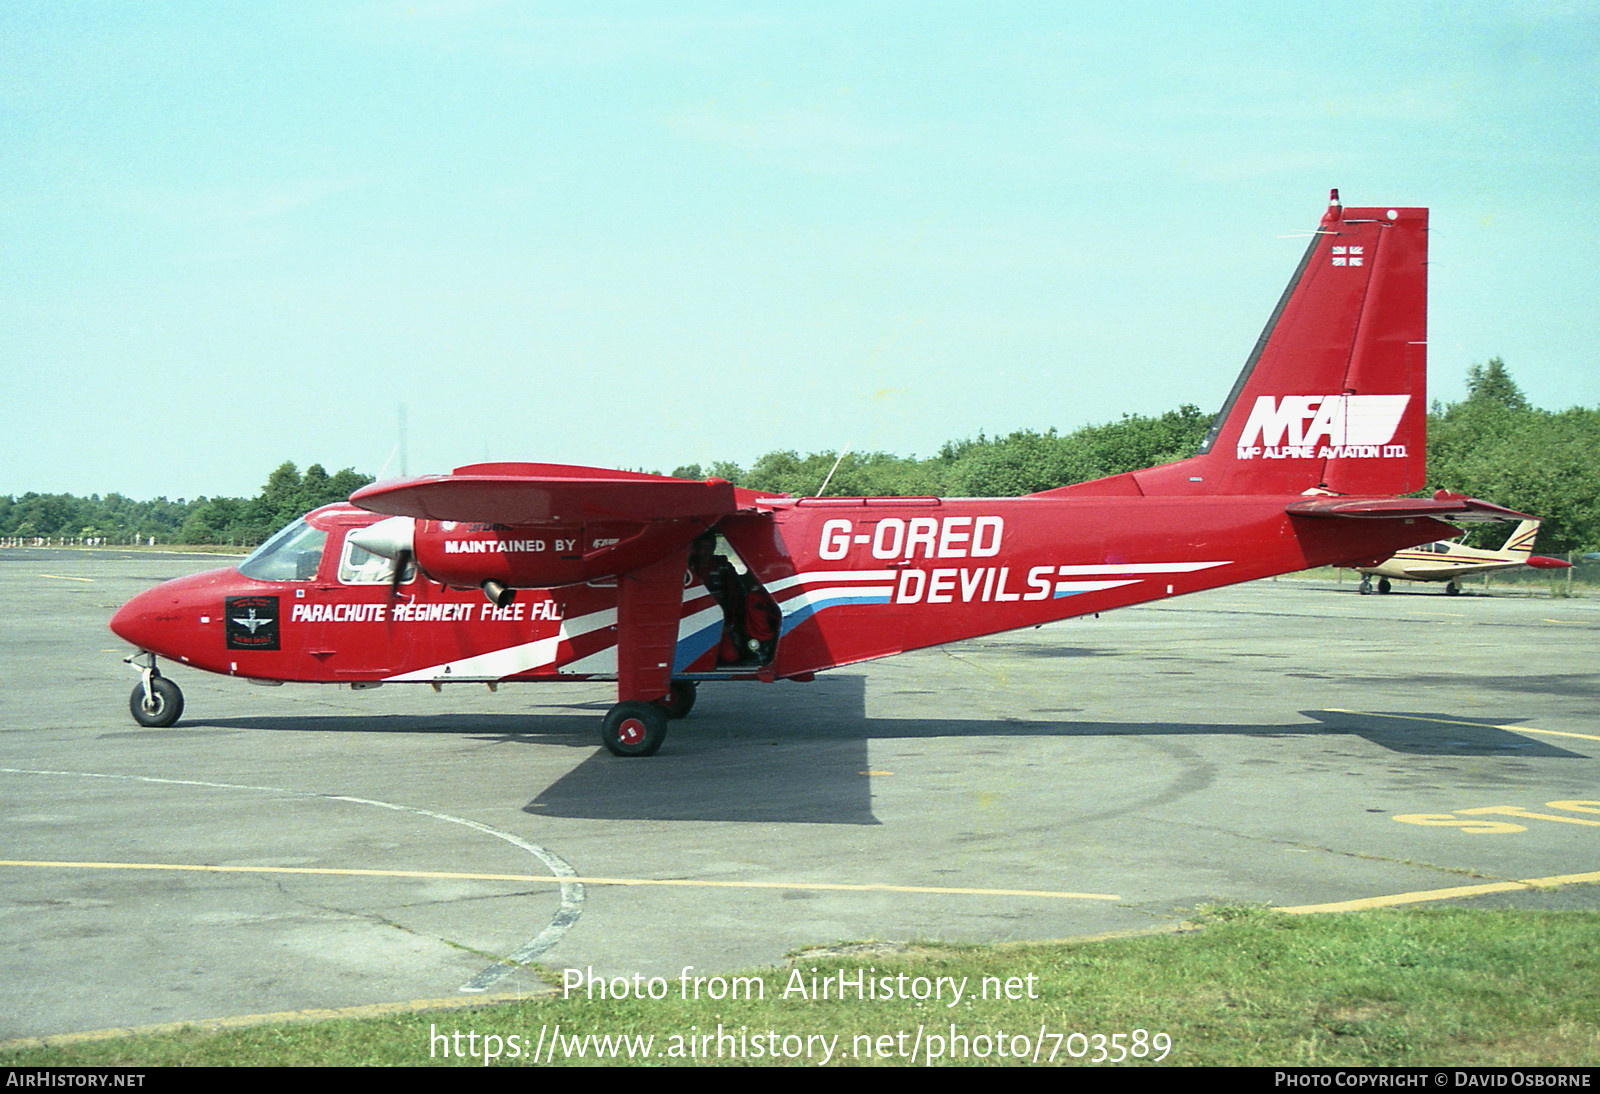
(1334, 396)
(1521, 541)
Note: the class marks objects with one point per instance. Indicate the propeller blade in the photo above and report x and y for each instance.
(402, 562)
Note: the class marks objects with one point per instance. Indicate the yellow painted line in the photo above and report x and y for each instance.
(241, 1021)
(1464, 722)
(687, 883)
(1526, 814)
(1424, 896)
(1550, 732)
(64, 577)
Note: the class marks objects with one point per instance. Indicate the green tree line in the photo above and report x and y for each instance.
(1492, 445)
(1495, 446)
(1019, 463)
(115, 519)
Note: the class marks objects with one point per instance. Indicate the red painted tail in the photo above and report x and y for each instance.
(1334, 397)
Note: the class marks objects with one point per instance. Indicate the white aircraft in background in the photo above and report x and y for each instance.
(1449, 561)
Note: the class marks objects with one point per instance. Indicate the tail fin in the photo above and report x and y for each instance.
(1521, 541)
(1334, 396)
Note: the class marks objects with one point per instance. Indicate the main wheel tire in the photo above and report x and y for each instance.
(1384, 586)
(679, 701)
(1452, 589)
(634, 728)
(164, 707)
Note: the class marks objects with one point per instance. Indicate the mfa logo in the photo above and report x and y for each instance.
(251, 622)
(1323, 427)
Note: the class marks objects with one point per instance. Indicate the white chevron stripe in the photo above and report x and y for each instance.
(523, 657)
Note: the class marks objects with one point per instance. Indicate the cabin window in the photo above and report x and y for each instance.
(291, 555)
(362, 567)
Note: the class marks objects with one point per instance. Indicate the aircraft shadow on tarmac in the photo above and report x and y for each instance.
(820, 772)
(792, 756)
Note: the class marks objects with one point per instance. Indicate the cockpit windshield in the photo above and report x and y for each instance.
(290, 555)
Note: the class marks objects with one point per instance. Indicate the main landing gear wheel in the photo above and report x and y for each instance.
(1384, 586)
(1452, 589)
(161, 708)
(634, 728)
(679, 701)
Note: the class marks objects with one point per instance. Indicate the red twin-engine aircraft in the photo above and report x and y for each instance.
(528, 572)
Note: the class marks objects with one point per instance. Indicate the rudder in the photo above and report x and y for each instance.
(1334, 396)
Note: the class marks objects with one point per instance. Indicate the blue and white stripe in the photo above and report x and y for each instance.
(829, 589)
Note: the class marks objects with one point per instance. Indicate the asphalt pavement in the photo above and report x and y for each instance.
(283, 849)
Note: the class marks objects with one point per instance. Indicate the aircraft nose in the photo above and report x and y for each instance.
(142, 620)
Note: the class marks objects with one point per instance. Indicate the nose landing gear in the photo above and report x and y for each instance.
(156, 701)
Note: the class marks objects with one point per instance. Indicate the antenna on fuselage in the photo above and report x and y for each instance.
(387, 461)
(824, 487)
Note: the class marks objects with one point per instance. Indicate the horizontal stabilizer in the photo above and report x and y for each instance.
(552, 494)
(1456, 508)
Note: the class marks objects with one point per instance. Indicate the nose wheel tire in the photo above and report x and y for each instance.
(634, 728)
(161, 707)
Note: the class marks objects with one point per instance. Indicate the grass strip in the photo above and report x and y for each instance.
(1248, 986)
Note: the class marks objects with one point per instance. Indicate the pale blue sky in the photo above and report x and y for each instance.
(645, 235)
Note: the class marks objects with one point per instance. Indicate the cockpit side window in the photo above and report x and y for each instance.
(361, 567)
(291, 555)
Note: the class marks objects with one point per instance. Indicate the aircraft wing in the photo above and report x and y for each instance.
(530, 493)
(1456, 508)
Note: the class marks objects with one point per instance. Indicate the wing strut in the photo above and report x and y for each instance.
(649, 603)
